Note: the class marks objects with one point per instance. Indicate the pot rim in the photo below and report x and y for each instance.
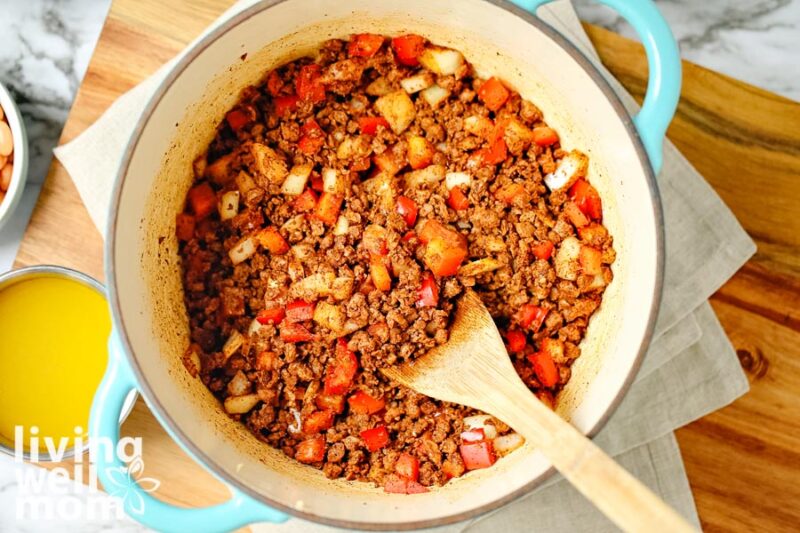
(158, 409)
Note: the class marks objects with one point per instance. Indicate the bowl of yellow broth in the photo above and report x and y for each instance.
(54, 328)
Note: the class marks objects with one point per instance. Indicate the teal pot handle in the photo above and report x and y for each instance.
(119, 480)
(663, 57)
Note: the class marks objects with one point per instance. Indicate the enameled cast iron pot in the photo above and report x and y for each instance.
(143, 271)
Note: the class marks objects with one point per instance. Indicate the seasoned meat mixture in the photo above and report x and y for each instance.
(343, 207)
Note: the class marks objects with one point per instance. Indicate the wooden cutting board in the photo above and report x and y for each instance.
(743, 461)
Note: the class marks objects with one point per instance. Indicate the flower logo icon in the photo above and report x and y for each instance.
(128, 484)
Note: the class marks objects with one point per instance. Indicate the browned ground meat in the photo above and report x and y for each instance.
(339, 279)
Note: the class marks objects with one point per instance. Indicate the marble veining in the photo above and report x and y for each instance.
(752, 40)
(45, 46)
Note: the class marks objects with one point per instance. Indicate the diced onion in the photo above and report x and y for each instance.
(417, 82)
(431, 174)
(245, 182)
(330, 180)
(295, 427)
(441, 60)
(505, 444)
(342, 226)
(239, 405)
(570, 168)
(454, 179)
(255, 327)
(435, 95)
(303, 250)
(243, 250)
(481, 422)
(295, 182)
(356, 104)
(229, 205)
(233, 344)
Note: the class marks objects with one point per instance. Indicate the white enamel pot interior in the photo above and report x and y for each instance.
(144, 270)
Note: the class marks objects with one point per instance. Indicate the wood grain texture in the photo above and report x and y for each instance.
(473, 368)
(742, 461)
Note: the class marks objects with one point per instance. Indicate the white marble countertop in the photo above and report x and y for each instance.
(47, 44)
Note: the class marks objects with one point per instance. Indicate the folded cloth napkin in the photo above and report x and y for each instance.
(690, 368)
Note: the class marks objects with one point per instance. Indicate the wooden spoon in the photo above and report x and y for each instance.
(473, 369)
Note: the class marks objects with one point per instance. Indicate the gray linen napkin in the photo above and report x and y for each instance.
(689, 370)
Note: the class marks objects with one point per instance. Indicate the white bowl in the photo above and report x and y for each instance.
(20, 156)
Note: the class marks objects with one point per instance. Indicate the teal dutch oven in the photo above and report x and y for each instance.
(143, 271)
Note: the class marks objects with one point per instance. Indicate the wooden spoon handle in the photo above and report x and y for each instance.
(619, 495)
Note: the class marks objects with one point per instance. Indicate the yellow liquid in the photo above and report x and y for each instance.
(53, 335)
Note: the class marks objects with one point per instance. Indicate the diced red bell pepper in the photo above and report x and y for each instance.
(408, 236)
(311, 450)
(543, 250)
(544, 136)
(477, 454)
(184, 226)
(420, 152)
(407, 467)
(516, 341)
(285, 104)
(433, 228)
(407, 208)
(493, 94)
(308, 85)
(509, 192)
(273, 315)
(531, 316)
(362, 403)
(317, 421)
(587, 198)
(291, 332)
(369, 125)
(545, 368)
(330, 402)
(364, 44)
(408, 48)
(341, 371)
(575, 215)
(457, 199)
(274, 83)
(237, 119)
(307, 201)
(312, 139)
(392, 160)
(271, 239)
(379, 273)
(316, 182)
(428, 293)
(473, 435)
(445, 249)
(443, 258)
(375, 438)
(300, 311)
(203, 200)
(328, 207)
(590, 259)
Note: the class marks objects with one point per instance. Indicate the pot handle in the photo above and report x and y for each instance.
(663, 57)
(122, 480)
